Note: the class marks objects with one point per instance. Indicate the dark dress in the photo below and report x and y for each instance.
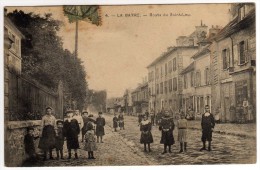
(207, 123)
(29, 144)
(47, 141)
(115, 122)
(59, 139)
(71, 131)
(84, 129)
(100, 122)
(146, 135)
(121, 121)
(167, 127)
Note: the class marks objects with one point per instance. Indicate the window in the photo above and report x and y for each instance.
(157, 88)
(207, 76)
(174, 67)
(157, 73)
(226, 58)
(198, 79)
(242, 12)
(174, 82)
(170, 66)
(152, 75)
(170, 85)
(161, 71)
(192, 79)
(242, 47)
(185, 81)
(166, 69)
(165, 87)
(161, 87)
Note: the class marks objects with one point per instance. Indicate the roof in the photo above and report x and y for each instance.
(8, 22)
(166, 54)
(189, 68)
(205, 50)
(235, 25)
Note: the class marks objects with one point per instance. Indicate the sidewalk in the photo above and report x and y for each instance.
(241, 130)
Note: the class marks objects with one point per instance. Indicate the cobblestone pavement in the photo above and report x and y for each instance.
(123, 148)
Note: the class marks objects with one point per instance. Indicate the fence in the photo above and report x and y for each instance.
(28, 99)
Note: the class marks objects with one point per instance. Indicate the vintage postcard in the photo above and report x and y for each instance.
(132, 85)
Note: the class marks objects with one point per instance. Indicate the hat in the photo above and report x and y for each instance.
(30, 128)
(48, 107)
(59, 121)
(89, 126)
(69, 111)
(99, 113)
(90, 115)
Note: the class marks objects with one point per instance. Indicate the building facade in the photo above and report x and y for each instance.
(233, 55)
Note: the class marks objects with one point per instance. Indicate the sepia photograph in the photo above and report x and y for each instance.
(129, 84)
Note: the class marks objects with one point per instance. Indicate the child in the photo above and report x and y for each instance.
(59, 139)
(29, 144)
(182, 132)
(115, 122)
(121, 121)
(146, 135)
(90, 141)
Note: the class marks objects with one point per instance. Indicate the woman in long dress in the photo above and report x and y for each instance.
(47, 140)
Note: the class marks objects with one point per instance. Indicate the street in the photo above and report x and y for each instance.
(123, 148)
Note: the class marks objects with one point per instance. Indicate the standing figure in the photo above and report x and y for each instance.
(59, 139)
(152, 117)
(29, 144)
(47, 140)
(85, 121)
(79, 118)
(245, 108)
(90, 141)
(71, 131)
(115, 122)
(217, 118)
(146, 135)
(182, 125)
(121, 121)
(167, 127)
(207, 125)
(147, 113)
(250, 117)
(100, 122)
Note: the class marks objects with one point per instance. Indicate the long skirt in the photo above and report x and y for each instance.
(100, 130)
(90, 146)
(47, 141)
(72, 141)
(146, 137)
(182, 135)
(167, 137)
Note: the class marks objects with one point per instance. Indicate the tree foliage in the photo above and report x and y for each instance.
(43, 56)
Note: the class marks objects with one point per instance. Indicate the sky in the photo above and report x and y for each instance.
(116, 54)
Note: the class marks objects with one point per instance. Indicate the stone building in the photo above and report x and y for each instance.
(140, 98)
(164, 83)
(233, 55)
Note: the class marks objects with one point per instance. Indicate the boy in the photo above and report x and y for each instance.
(59, 139)
(100, 122)
(182, 132)
(29, 144)
(115, 122)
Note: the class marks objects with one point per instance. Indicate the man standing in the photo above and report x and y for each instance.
(207, 125)
(100, 122)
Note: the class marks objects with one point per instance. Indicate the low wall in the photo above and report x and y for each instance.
(14, 141)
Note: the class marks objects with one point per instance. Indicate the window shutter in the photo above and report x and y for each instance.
(235, 51)
(246, 51)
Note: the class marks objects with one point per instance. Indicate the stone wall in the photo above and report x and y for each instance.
(14, 141)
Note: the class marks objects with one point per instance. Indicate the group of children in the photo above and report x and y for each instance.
(118, 121)
(54, 137)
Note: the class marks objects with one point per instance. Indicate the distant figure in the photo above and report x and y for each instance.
(245, 108)
(250, 117)
(167, 127)
(207, 125)
(146, 135)
(147, 113)
(217, 118)
(59, 139)
(71, 131)
(47, 140)
(115, 122)
(29, 144)
(90, 141)
(121, 121)
(100, 122)
(182, 125)
(152, 117)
